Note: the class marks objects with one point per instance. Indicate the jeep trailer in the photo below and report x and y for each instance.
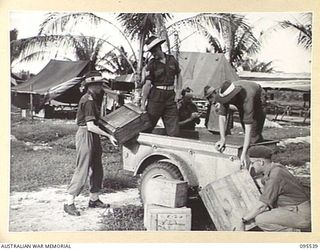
(192, 158)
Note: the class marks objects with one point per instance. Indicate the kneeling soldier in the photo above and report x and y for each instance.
(284, 205)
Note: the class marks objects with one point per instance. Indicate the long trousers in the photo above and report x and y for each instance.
(88, 147)
(286, 219)
(161, 103)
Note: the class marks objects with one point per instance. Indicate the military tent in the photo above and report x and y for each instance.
(58, 80)
(201, 69)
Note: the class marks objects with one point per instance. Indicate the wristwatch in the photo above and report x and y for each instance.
(244, 221)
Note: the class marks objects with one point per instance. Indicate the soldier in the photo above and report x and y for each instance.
(188, 111)
(246, 96)
(212, 114)
(159, 88)
(284, 205)
(88, 147)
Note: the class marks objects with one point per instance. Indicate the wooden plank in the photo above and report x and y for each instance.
(229, 198)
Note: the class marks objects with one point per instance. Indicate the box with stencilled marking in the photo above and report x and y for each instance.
(159, 218)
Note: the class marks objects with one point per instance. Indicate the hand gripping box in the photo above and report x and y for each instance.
(159, 218)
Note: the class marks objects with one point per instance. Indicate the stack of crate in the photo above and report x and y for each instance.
(165, 206)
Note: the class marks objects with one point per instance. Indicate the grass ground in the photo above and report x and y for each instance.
(31, 170)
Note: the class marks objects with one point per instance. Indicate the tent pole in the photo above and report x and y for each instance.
(31, 102)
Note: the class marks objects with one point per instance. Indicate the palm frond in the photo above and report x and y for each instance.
(40, 43)
(304, 32)
(255, 65)
(57, 23)
(53, 46)
(301, 27)
(136, 24)
(215, 43)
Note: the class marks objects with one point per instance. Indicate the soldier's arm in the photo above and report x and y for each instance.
(95, 129)
(145, 92)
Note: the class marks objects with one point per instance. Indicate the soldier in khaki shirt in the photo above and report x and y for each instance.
(159, 89)
(246, 96)
(88, 148)
(284, 205)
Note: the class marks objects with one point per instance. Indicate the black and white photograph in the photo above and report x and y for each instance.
(160, 121)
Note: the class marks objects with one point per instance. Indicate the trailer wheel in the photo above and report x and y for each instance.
(164, 170)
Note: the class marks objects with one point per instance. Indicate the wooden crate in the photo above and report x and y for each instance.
(158, 218)
(229, 198)
(125, 122)
(168, 193)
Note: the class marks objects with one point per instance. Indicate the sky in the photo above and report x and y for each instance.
(277, 46)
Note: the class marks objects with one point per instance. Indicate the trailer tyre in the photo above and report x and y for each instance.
(164, 170)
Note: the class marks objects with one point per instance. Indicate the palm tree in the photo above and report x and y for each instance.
(14, 51)
(141, 25)
(303, 29)
(118, 64)
(79, 47)
(227, 33)
(54, 40)
(255, 65)
(60, 22)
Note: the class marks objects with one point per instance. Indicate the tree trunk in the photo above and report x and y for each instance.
(228, 39)
(138, 76)
(161, 31)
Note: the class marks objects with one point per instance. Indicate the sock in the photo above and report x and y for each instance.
(94, 196)
(70, 199)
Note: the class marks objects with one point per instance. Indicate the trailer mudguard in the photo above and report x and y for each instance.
(171, 158)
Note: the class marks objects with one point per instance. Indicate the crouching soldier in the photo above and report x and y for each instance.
(246, 96)
(284, 205)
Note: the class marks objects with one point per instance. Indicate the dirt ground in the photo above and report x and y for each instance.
(43, 210)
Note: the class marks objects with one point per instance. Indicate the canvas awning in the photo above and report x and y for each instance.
(284, 81)
(57, 80)
(15, 80)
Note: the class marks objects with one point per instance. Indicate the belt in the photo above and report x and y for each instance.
(296, 208)
(165, 87)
